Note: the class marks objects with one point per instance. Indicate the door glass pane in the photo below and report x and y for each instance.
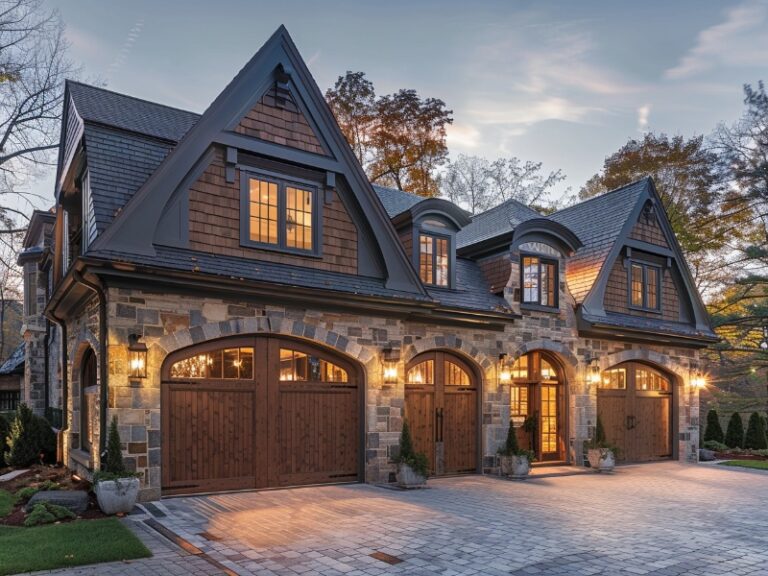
(455, 375)
(519, 399)
(547, 371)
(615, 378)
(520, 368)
(228, 363)
(650, 380)
(422, 373)
(549, 418)
(299, 367)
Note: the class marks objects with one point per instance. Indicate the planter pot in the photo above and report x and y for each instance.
(116, 496)
(601, 459)
(407, 477)
(515, 466)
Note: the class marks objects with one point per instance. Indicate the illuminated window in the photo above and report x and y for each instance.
(299, 367)
(615, 379)
(279, 214)
(548, 372)
(455, 375)
(650, 380)
(539, 281)
(224, 364)
(433, 260)
(422, 373)
(645, 286)
(520, 368)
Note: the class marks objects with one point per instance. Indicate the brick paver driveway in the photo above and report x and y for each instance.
(660, 519)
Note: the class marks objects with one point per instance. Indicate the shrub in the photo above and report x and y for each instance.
(5, 429)
(24, 494)
(734, 436)
(28, 437)
(716, 446)
(713, 431)
(511, 446)
(113, 463)
(418, 461)
(47, 513)
(755, 438)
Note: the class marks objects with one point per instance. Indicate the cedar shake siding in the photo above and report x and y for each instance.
(648, 230)
(617, 296)
(214, 225)
(284, 125)
(496, 270)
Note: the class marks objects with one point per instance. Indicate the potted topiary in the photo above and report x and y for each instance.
(601, 455)
(116, 489)
(514, 461)
(412, 466)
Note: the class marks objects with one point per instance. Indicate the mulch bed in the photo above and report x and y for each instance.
(37, 475)
(732, 456)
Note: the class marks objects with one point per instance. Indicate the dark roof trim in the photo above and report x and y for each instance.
(36, 221)
(437, 207)
(29, 255)
(493, 245)
(599, 329)
(548, 232)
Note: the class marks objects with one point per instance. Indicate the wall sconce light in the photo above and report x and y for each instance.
(698, 381)
(137, 357)
(594, 371)
(390, 359)
(505, 372)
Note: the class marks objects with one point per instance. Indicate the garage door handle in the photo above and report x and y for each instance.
(631, 423)
(439, 427)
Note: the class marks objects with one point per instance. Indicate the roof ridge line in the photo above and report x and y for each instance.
(603, 195)
(136, 98)
(507, 201)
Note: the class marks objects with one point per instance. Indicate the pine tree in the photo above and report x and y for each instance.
(113, 462)
(22, 439)
(599, 433)
(755, 438)
(511, 447)
(406, 443)
(734, 436)
(713, 431)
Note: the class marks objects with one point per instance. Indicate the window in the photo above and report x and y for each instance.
(296, 366)
(9, 400)
(645, 286)
(650, 380)
(455, 375)
(520, 367)
(433, 260)
(539, 280)
(226, 364)
(279, 214)
(519, 401)
(615, 378)
(422, 373)
(30, 290)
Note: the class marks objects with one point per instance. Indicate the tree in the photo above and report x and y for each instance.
(33, 67)
(399, 139)
(755, 438)
(113, 462)
(465, 182)
(353, 102)
(708, 218)
(713, 432)
(734, 436)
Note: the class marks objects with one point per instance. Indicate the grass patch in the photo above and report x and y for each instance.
(71, 544)
(754, 464)
(7, 500)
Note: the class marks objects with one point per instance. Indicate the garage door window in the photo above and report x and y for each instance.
(299, 367)
(225, 364)
(422, 373)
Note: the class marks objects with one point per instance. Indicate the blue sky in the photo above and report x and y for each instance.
(565, 82)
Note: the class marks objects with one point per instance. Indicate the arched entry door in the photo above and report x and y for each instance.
(537, 408)
(257, 412)
(441, 394)
(634, 402)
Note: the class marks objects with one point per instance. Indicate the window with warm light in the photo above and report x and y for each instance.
(279, 214)
(520, 368)
(434, 260)
(422, 373)
(224, 364)
(644, 286)
(519, 401)
(297, 366)
(615, 379)
(455, 375)
(539, 281)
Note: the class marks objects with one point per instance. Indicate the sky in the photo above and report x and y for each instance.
(564, 83)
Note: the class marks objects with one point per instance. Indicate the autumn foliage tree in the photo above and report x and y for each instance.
(399, 139)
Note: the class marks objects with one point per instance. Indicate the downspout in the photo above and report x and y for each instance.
(64, 373)
(103, 396)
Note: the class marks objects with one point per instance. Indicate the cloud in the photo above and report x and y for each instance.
(462, 135)
(540, 110)
(642, 117)
(125, 50)
(740, 40)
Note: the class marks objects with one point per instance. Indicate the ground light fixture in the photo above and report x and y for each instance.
(137, 357)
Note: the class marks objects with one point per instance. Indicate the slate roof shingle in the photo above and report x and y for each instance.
(396, 201)
(495, 222)
(15, 362)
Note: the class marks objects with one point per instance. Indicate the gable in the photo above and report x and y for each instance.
(647, 228)
(282, 123)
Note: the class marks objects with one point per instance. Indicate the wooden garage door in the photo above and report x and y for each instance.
(634, 402)
(258, 412)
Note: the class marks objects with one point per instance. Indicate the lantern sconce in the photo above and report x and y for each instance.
(505, 372)
(593, 372)
(137, 357)
(698, 380)
(389, 360)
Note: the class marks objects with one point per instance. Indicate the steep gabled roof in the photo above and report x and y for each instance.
(497, 221)
(598, 222)
(15, 362)
(101, 106)
(396, 201)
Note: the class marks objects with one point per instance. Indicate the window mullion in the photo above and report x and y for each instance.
(281, 217)
(433, 241)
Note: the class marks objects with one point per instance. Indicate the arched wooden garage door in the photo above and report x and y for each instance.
(634, 402)
(441, 395)
(259, 412)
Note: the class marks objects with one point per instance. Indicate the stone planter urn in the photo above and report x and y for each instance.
(601, 459)
(117, 496)
(407, 477)
(515, 466)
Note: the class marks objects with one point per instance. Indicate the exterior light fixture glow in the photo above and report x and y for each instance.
(505, 372)
(593, 371)
(137, 357)
(389, 361)
(698, 381)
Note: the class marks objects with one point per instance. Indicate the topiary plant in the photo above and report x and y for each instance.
(511, 446)
(713, 430)
(755, 438)
(113, 462)
(418, 461)
(734, 435)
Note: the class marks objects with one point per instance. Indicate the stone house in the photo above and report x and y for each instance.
(255, 313)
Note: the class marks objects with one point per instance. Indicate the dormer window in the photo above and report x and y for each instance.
(645, 286)
(279, 214)
(434, 259)
(539, 281)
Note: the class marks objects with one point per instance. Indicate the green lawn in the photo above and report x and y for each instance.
(756, 464)
(6, 503)
(70, 544)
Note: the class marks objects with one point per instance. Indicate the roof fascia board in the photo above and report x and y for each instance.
(63, 164)
(541, 229)
(293, 155)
